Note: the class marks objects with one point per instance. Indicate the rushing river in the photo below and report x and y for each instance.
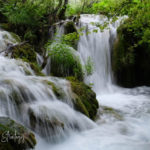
(123, 121)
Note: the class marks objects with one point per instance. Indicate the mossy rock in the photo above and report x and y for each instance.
(130, 62)
(14, 136)
(57, 90)
(27, 53)
(84, 98)
(37, 69)
(16, 37)
(48, 125)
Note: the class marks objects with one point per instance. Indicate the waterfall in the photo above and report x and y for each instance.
(123, 120)
(97, 46)
(31, 100)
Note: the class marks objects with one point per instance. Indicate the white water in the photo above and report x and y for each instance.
(25, 96)
(127, 127)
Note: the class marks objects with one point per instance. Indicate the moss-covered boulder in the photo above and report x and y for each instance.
(14, 136)
(24, 52)
(130, 62)
(27, 53)
(84, 98)
(48, 125)
(57, 90)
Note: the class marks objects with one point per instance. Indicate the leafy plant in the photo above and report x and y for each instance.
(89, 66)
(64, 61)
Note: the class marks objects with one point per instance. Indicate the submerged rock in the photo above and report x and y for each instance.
(14, 136)
(27, 53)
(48, 125)
(59, 93)
(111, 112)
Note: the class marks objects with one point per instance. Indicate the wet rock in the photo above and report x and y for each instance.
(84, 98)
(57, 90)
(14, 136)
(51, 127)
(27, 53)
(104, 110)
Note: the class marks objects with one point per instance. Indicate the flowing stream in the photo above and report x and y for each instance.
(123, 120)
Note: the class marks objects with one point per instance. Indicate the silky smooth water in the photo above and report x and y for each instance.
(123, 120)
(127, 125)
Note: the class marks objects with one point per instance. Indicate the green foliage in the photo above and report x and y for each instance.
(132, 51)
(31, 19)
(73, 10)
(27, 53)
(29, 35)
(10, 127)
(18, 13)
(70, 39)
(29, 12)
(89, 66)
(64, 61)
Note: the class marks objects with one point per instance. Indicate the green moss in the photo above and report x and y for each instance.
(80, 106)
(5, 26)
(27, 53)
(36, 69)
(57, 91)
(27, 139)
(110, 111)
(16, 37)
(123, 60)
(85, 99)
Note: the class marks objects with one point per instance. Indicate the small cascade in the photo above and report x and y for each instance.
(123, 120)
(97, 45)
(5, 40)
(31, 99)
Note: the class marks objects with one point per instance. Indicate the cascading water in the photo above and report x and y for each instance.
(97, 45)
(123, 121)
(124, 116)
(31, 100)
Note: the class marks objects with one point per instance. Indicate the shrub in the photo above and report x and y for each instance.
(64, 61)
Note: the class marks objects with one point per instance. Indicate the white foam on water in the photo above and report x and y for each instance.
(125, 127)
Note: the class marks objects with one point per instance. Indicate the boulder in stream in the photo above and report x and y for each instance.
(14, 136)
